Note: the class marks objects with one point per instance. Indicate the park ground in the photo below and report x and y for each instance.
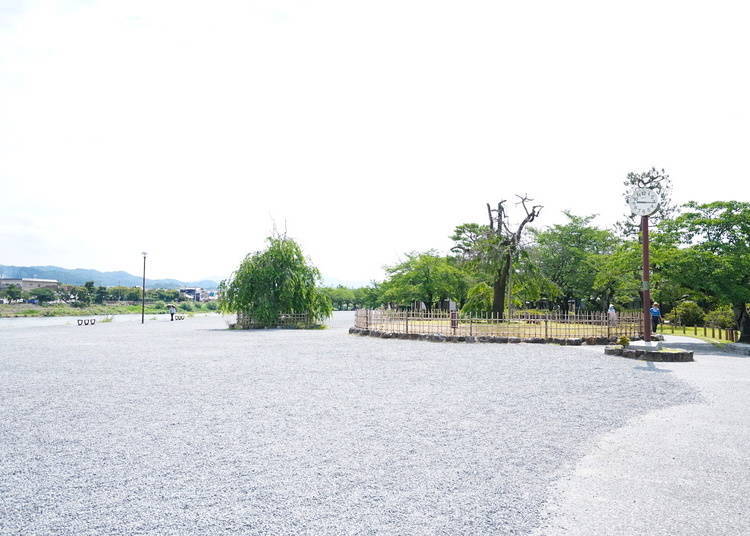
(189, 428)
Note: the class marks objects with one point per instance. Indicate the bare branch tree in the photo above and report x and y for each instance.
(497, 245)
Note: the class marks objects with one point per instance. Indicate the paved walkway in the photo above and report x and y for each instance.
(681, 470)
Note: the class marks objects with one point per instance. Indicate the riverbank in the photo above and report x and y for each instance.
(22, 310)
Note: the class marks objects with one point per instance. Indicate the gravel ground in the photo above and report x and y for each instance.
(681, 470)
(187, 428)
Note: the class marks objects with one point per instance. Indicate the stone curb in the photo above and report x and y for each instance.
(650, 355)
(484, 339)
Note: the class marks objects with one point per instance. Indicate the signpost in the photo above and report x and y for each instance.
(644, 202)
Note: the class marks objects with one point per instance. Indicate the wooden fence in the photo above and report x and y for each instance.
(552, 325)
(298, 321)
(721, 334)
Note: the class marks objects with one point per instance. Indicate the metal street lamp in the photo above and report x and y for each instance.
(143, 289)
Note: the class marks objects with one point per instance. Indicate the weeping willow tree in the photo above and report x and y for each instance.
(275, 282)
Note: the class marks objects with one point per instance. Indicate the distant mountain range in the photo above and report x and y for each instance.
(79, 276)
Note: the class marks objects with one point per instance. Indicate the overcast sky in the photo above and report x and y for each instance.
(366, 129)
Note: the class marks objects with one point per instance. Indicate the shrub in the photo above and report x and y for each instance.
(276, 281)
(478, 300)
(212, 306)
(687, 313)
(623, 340)
(185, 306)
(722, 317)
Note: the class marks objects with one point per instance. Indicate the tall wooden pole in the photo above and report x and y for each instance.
(646, 290)
(143, 292)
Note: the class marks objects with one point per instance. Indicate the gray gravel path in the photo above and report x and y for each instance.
(186, 428)
(678, 471)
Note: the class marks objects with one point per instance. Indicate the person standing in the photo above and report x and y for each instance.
(655, 316)
(612, 314)
(172, 310)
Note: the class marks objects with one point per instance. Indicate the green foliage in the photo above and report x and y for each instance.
(13, 292)
(716, 260)
(43, 295)
(161, 294)
(478, 299)
(273, 282)
(492, 249)
(722, 317)
(687, 313)
(100, 294)
(212, 306)
(571, 254)
(185, 306)
(341, 297)
(623, 340)
(81, 296)
(424, 277)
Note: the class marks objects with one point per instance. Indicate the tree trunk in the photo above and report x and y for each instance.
(500, 287)
(743, 321)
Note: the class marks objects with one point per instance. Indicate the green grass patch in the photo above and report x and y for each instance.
(712, 335)
(20, 310)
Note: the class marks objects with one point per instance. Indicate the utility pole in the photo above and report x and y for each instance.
(143, 290)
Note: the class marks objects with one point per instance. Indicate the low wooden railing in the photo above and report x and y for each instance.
(292, 320)
(553, 325)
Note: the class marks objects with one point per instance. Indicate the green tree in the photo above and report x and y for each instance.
(721, 317)
(687, 313)
(341, 297)
(716, 260)
(100, 294)
(43, 295)
(81, 296)
(134, 294)
(163, 294)
(493, 248)
(478, 299)
(13, 292)
(276, 281)
(569, 256)
(424, 277)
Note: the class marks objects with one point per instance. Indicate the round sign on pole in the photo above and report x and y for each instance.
(644, 202)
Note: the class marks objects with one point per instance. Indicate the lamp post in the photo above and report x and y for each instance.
(143, 290)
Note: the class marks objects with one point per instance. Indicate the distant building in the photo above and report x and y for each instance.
(195, 293)
(28, 284)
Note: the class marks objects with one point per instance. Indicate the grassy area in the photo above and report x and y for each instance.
(15, 310)
(714, 335)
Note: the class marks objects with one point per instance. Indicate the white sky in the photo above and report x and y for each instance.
(371, 128)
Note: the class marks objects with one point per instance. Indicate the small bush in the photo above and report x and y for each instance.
(185, 306)
(623, 340)
(687, 313)
(478, 300)
(212, 306)
(723, 317)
